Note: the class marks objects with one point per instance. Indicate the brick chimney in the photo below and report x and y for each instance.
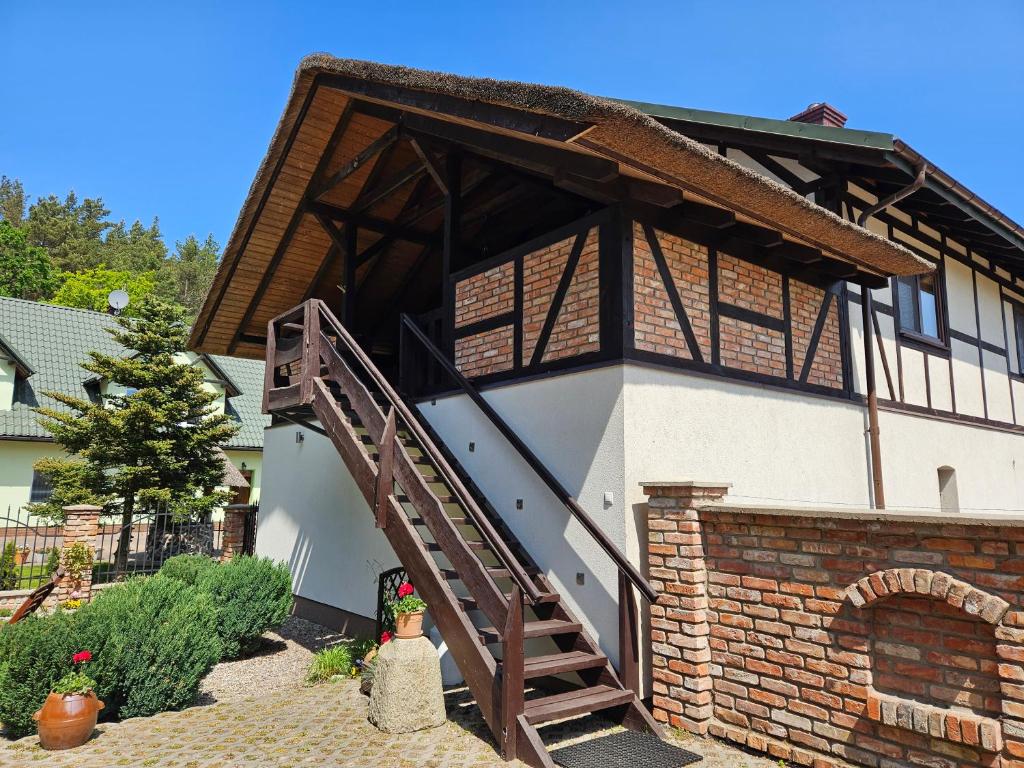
(821, 113)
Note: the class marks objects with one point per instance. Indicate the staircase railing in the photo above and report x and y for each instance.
(629, 576)
(322, 336)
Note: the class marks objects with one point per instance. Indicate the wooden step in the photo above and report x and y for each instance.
(494, 572)
(557, 663)
(531, 629)
(456, 520)
(443, 498)
(469, 603)
(477, 545)
(576, 702)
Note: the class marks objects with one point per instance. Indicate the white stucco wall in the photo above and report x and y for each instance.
(575, 424)
(313, 516)
(8, 375)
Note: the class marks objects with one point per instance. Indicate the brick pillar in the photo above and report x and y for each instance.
(81, 524)
(680, 633)
(234, 530)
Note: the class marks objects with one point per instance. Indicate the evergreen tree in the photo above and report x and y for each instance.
(154, 445)
(25, 270)
(138, 248)
(12, 201)
(72, 232)
(186, 277)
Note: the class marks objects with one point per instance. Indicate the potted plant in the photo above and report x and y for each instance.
(68, 717)
(408, 610)
(20, 556)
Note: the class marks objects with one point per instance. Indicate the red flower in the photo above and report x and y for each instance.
(405, 590)
(81, 656)
(384, 637)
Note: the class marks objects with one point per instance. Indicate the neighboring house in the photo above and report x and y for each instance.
(635, 294)
(42, 348)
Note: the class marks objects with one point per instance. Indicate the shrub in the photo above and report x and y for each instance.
(252, 595)
(34, 654)
(187, 568)
(329, 663)
(153, 640)
(8, 570)
(52, 561)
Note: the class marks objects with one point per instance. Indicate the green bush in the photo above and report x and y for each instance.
(8, 570)
(252, 595)
(187, 568)
(329, 663)
(34, 654)
(153, 640)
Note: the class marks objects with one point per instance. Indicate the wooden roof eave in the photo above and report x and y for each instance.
(593, 136)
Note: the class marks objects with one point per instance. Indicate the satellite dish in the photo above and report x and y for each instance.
(117, 300)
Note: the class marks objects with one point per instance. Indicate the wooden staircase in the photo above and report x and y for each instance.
(524, 655)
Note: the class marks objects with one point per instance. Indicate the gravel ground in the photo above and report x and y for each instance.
(280, 663)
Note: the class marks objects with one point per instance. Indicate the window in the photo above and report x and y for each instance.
(1018, 334)
(920, 305)
(41, 488)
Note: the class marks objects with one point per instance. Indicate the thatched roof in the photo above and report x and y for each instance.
(643, 148)
(232, 478)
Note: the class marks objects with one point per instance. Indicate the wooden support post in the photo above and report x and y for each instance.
(310, 351)
(512, 673)
(349, 306)
(452, 236)
(629, 647)
(385, 469)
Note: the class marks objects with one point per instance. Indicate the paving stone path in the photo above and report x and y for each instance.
(295, 725)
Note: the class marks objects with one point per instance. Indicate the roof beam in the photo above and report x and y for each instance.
(366, 221)
(382, 142)
(529, 154)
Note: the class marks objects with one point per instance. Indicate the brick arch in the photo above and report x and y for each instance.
(934, 584)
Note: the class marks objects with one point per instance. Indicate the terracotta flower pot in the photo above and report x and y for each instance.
(409, 625)
(20, 556)
(67, 721)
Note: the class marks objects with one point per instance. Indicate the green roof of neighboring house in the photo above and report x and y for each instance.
(55, 341)
(872, 139)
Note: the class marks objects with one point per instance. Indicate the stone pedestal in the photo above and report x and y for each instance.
(406, 693)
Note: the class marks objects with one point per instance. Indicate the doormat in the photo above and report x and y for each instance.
(626, 749)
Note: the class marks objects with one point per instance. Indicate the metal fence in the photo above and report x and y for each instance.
(29, 549)
(151, 537)
(30, 546)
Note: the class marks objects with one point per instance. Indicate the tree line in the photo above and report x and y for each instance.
(69, 252)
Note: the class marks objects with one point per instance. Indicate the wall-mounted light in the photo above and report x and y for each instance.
(243, 466)
(299, 437)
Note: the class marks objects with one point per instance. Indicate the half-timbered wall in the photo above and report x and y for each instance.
(731, 316)
(972, 373)
(535, 306)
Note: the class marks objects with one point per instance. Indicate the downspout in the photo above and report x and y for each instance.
(869, 352)
(869, 372)
(896, 196)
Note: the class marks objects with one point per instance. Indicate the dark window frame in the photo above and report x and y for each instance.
(1017, 318)
(915, 335)
(42, 488)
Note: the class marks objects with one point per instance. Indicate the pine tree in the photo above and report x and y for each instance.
(155, 445)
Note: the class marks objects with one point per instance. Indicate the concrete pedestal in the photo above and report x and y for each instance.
(406, 693)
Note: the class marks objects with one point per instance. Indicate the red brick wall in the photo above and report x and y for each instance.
(484, 353)
(743, 345)
(655, 326)
(576, 328)
(805, 303)
(484, 295)
(838, 640)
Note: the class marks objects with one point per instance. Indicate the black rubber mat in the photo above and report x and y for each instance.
(626, 749)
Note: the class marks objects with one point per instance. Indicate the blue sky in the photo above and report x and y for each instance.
(168, 111)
